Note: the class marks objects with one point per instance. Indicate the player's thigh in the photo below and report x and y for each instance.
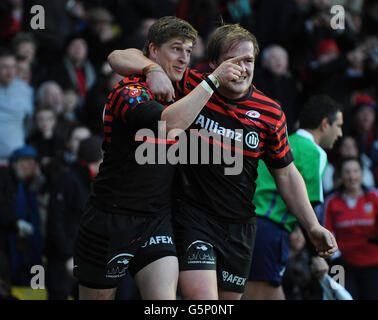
(103, 249)
(158, 280)
(234, 258)
(198, 284)
(229, 295)
(263, 290)
(155, 266)
(86, 293)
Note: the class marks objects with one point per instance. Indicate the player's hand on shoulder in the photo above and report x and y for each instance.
(160, 86)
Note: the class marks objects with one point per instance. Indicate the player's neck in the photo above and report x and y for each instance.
(316, 134)
(353, 193)
(232, 95)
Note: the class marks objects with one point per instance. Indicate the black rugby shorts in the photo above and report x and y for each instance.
(205, 243)
(109, 245)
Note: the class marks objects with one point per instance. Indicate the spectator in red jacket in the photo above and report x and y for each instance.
(351, 213)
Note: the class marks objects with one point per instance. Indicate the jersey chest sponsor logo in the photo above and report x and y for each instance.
(251, 138)
(213, 126)
(368, 222)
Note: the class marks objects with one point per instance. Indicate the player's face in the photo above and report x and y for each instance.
(237, 88)
(173, 56)
(26, 168)
(7, 70)
(348, 147)
(334, 132)
(364, 119)
(45, 121)
(351, 174)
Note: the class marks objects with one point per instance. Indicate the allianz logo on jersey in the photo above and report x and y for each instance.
(251, 139)
(213, 126)
(227, 147)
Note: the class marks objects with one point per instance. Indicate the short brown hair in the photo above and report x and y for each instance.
(225, 37)
(40, 108)
(167, 28)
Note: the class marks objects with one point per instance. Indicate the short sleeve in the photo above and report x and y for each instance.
(278, 153)
(146, 115)
(135, 106)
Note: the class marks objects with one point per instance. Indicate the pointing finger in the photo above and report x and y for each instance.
(240, 58)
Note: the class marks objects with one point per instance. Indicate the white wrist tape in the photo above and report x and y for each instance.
(214, 80)
(205, 85)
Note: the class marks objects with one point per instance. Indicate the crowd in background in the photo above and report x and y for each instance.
(54, 83)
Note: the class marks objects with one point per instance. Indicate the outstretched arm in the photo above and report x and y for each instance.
(128, 61)
(293, 191)
(132, 61)
(183, 112)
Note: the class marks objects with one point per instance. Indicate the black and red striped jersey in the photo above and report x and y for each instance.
(253, 127)
(123, 185)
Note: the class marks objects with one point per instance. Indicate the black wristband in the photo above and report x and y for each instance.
(210, 83)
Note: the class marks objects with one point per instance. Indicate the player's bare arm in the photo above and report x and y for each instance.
(183, 112)
(292, 189)
(133, 61)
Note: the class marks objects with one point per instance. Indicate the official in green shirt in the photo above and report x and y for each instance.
(321, 121)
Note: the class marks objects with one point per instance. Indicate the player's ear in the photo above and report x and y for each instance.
(325, 124)
(152, 49)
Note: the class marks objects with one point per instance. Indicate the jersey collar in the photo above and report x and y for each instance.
(305, 134)
(243, 98)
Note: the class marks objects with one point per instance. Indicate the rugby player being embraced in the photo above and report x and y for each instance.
(214, 211)
(130, 203)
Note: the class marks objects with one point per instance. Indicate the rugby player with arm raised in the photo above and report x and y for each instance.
(214, 218)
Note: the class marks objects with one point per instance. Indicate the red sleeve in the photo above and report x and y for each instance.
(129, 98)
(328, 224)
(135, 105)
(278, 153)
